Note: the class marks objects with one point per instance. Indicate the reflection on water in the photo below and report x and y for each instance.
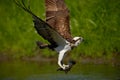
(20, 70)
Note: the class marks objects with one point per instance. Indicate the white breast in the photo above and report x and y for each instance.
(62, 47)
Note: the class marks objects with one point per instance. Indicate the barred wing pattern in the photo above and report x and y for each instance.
(57, 16)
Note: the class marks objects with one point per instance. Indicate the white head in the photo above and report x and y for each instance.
(77, 40)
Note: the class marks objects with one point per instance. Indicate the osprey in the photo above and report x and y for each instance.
(56, 29)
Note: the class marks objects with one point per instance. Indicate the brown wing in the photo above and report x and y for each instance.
(43, 28)
(57, 15)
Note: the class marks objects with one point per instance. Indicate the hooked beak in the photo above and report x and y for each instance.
(81, 39)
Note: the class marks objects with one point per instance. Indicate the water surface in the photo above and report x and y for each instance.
(22, 70)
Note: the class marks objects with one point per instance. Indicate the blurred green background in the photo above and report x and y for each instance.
(97, 21)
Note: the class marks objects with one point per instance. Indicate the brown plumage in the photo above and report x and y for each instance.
(56, 29)
(57, 16)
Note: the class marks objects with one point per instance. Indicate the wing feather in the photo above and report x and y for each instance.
(43, 29)
(57, 16)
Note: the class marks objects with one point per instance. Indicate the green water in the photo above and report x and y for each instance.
(22, 70)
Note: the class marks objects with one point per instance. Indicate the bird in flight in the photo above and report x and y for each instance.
(56, 30)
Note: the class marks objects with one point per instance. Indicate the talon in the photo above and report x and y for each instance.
(67, 67)
(66, 70)
(60, 69)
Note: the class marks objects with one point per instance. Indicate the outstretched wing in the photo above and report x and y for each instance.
(43, 29)
(57, 16)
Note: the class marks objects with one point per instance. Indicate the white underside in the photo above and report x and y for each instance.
(62, 49)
